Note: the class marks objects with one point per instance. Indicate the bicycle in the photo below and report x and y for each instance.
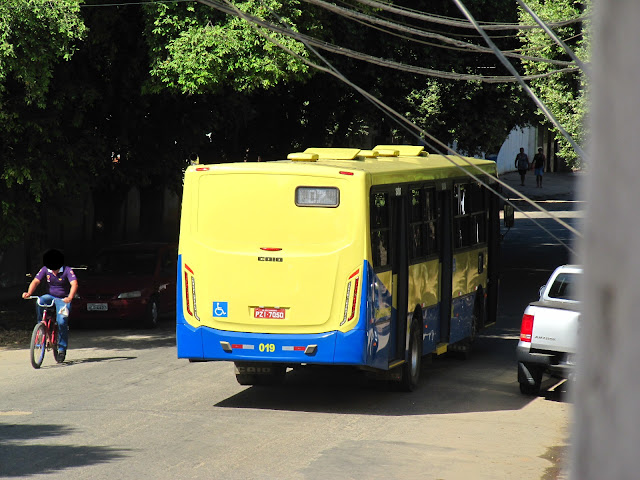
(45, 335)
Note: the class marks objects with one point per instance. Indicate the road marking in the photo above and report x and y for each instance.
(14, 413)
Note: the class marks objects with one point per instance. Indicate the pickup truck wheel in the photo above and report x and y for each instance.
(527, 388)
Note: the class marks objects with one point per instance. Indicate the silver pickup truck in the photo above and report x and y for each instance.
(549, 330)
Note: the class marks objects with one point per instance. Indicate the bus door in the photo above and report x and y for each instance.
(400, 266)
(446, 260)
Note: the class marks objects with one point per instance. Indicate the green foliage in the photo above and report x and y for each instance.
(564, 94)
(154, 83)
(478, 117)
(196, 50)
(35, 36)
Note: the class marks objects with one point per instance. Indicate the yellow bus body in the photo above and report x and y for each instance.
(264, 279)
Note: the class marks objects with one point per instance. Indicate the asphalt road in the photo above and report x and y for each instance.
(124, 407)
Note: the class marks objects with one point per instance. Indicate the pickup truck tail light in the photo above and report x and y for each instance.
(526, 329)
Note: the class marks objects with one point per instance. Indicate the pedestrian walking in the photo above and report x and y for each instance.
(538, 167)
(522, 164)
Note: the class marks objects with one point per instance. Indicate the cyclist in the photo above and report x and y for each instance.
(63, 284)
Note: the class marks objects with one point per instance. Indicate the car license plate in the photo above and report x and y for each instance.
(260, 312)
(100, 307)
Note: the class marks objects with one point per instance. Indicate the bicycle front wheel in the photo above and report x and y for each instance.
(38, 344)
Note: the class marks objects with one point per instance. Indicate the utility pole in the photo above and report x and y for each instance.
(606, 425)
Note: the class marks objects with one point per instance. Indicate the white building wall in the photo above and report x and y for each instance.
(519, 137)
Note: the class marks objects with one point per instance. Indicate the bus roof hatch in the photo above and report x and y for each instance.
(334, 153)
(403, 150)
(303, 157)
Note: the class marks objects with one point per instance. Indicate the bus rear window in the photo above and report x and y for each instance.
(317, 197)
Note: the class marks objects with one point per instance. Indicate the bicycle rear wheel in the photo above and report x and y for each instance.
(38, 344)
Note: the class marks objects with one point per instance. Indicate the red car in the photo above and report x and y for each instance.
(128, 282)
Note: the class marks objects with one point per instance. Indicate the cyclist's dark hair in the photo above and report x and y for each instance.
(53, 259)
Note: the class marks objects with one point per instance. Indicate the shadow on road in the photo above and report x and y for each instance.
(70, 362)
(130, 339)
(19, 459)
(116, 339)
(485, 383)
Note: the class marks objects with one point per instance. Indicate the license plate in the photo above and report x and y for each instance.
(101, 307)
(260, 312)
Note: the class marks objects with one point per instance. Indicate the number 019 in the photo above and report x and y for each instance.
(267, 347)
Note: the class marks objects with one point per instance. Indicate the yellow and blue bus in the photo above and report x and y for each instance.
(335, 256)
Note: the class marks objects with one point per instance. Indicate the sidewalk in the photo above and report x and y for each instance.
(555, 186)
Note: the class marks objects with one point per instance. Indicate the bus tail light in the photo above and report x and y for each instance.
(193, 292)
(186, 293)
(355, 298)
(526, 329)
(352, 297)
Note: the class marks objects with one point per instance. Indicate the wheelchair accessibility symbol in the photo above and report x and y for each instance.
(220, 309)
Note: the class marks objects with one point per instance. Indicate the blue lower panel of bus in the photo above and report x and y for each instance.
(462, 318)
(368, 343)
(324, 348)
(430, 328)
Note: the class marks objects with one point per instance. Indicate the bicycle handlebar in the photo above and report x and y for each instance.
(38, 298)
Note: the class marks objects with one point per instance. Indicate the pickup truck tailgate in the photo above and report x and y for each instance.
(555, 326)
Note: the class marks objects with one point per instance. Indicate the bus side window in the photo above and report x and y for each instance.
(417, 231)
(423, 227)
(432, 216)
(462, 219)
(380, 229)
(479, 216)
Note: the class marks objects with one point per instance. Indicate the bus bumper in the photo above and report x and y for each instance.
(331, 348)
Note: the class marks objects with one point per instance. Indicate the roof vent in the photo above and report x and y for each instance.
(303, 157)
(334, 153)
(387, 152)
(403, 150)
(368, 153)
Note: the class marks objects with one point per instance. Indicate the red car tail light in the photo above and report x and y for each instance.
(526, 329)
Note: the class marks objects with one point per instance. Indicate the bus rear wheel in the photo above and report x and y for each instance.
(411, 368)
(248, 373)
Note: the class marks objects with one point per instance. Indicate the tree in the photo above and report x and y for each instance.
(196, 49)
(153, 83)
(565, 95)
(35, 36)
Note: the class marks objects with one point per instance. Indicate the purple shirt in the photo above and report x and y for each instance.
(60, 284)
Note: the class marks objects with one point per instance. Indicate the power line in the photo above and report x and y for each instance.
(553, 36)
(454, 22)
(307, 40)
(450, 33)
(521, 79)
(86, 5)
(415, 31)
(395, 116)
